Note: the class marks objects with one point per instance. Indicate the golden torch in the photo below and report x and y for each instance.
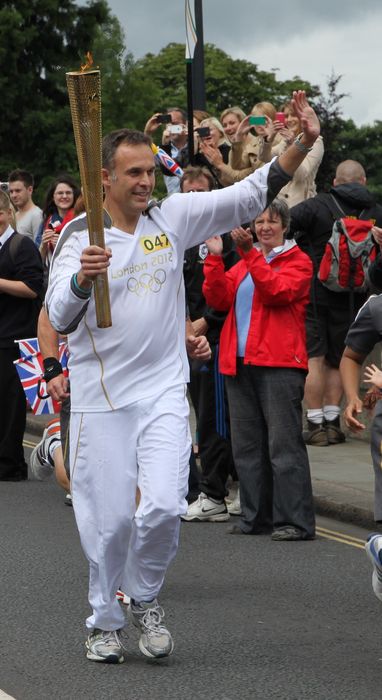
(84, 89)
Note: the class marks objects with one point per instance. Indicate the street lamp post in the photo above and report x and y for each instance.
(199, 92)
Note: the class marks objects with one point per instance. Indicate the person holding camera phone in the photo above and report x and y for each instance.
(244, 156)
(174, 140)
(213, 150)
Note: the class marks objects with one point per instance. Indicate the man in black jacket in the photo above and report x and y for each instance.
(21, 283)
(329, 313)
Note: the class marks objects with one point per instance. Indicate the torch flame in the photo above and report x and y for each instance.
(89, 62)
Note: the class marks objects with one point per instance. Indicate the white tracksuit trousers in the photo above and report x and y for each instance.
(146, 444)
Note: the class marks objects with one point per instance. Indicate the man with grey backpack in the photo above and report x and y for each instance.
(324, 227)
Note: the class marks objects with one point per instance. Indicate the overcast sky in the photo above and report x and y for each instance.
(299, 37)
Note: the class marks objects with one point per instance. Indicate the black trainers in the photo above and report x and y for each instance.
(334, 432)
(316, 434)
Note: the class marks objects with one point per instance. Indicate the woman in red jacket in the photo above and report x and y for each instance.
(263, 355)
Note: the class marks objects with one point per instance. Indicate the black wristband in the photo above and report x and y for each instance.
(52, 368)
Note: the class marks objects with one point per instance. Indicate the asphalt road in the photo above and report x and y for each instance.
(251, 618)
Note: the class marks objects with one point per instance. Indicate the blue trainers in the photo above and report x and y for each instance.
(373, 548)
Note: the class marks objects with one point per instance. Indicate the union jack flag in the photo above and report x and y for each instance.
(30, 369)
(162, 157)
(28, 346)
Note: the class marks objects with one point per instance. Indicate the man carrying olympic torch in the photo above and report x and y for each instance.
(129, 423)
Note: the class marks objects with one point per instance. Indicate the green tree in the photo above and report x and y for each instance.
(159, 81)
(109, 54)
(329, 110)
(39, 41)
(365, 145)
(344, 140)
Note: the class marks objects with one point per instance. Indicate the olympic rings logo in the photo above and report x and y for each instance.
(147, 283)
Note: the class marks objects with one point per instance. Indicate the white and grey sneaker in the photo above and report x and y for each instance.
(234, 506)
(205, 508)
(373, 548)
(105, 647)
(41, 459)
(155, 640)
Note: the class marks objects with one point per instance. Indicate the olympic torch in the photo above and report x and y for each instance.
(84, 88)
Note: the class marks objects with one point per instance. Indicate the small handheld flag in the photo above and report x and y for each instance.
(30, 368)
(169, 163)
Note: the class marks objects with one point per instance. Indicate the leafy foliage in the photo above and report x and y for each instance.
(40, 40)
(329, 111)
(365, 145)
(162, 79)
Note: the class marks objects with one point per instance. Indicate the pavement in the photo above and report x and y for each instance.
(342, 477)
